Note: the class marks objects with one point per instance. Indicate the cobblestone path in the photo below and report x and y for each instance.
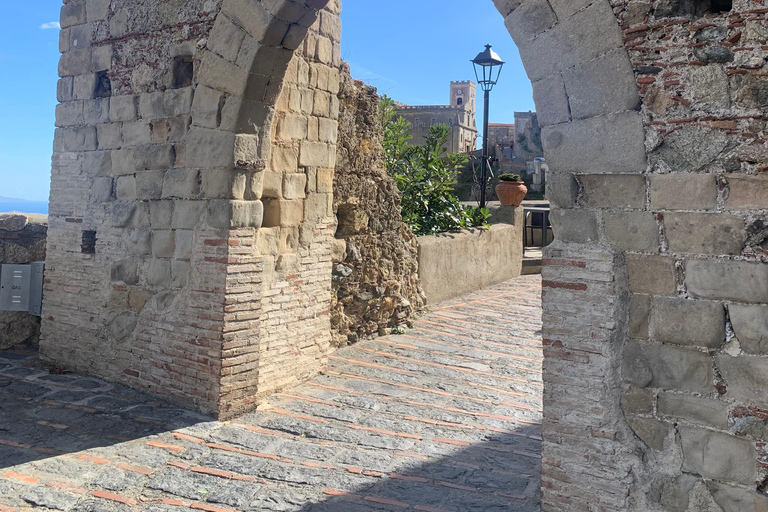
(443, 418)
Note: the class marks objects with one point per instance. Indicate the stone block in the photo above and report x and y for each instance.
(551, 100)
(96, 10)
(661, 366)
(122, 326)
(639, 316)
(747, 192)
(73, 13)
(152, 105)
(283, 212)
(101, 58)
(610, 143)
(122, 108)
(184, 243)
(672, 493)
(126, 271)
(69, 113)
(255, 185)
(614, 190)
(315, 154)
(246, 151)
(225, 38)
(651, 274)
(81, 138)
(181, 183)
(704, 411)
(576, 226)
(149, 184)
(210, 149)
(65, 89)
(254, 18)
(96, 111)
(154, 157)
(206, 107)
(691, 148)
(159, 273)
(632, 231)
(651, 432)
(688, 322)
(178, 102)
(75, 62)
(637, 401)
(285, 159)
(728, 280)
(97, 163)
(530, 19)
(318, 206)
(585, 35)
(160, 214)
(718, 456)
(292, 127)
(268, 241)
(187, 214)
(229, 184)
(338, 251)
(735, 499)
(705, 233)
(562, 190)
(683, 191)
(294, 185)
(746, 378)
(325, 181)
(136, 133)
(328, 130)
(601, 86)
(163, 244)
(126, 188)
(130, 214)
(221, 75)
(179, 273)
(139, 242)
(226, 214)
(109, 136)
(84, 85)
(101, 190)
(750, 324)
(709, 84)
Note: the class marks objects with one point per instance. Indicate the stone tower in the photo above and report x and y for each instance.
(463, 95)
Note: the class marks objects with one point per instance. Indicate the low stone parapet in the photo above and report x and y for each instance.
(451, 264)
(22, 240)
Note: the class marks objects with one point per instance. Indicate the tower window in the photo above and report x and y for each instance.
(183, 72)
(460, 101)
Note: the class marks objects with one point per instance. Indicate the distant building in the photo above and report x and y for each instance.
(459, 116)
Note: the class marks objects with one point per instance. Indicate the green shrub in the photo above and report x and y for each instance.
(426, 176)
(510, 177)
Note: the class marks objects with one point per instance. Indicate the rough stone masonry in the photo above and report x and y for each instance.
(197, 140)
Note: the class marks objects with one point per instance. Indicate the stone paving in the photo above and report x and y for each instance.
(446, 417)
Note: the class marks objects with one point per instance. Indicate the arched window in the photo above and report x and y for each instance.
(460, 101)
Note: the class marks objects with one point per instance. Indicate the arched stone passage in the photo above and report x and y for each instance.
(211, 203)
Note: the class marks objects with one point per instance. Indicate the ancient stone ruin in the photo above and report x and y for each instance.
(197, 142)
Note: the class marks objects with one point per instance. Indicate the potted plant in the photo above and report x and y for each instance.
(511, 190)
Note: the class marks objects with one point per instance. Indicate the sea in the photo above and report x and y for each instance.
(22, 206)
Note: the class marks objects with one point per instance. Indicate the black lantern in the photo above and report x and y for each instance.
(488, 66)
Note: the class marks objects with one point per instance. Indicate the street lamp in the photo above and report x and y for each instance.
(487, 65)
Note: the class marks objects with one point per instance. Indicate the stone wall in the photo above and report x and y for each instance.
(22, 241)
(375, 274)
(653, 127)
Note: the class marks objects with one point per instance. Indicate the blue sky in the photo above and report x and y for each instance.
(408, 49)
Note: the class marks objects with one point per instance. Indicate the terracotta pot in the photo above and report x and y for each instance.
(511, 193)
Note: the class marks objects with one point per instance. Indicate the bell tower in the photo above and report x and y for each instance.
(463, 96)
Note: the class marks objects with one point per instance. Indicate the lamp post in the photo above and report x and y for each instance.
(488, 66)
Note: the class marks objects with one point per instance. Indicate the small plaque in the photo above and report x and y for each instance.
(15, 287)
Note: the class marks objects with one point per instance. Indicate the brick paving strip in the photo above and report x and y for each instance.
(446, 417)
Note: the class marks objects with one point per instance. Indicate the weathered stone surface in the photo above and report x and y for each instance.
(736, 499)
(637, 401)
(613, 190)
(639, 315)
(632, 231)
(704, 233)
(710, 83)
(578, 226)
(683, 191)
(661, 366)
(750, 324)
(651, 274)
(729, 280)
(691, 148)
(747, 192)
(673, 494)
(714, 455)
(688, 322)
(746, 378)
(570, 147)
(703, 411)
(652, 432)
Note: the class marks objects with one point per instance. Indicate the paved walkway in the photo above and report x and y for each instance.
(443, 418)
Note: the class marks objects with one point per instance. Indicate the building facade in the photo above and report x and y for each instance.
(459, 116)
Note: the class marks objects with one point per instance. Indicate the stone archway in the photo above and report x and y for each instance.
(210, 201)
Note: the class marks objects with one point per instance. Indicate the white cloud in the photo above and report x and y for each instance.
(49, 25)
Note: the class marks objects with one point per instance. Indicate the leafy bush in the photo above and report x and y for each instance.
(426, 176)
(510, 177)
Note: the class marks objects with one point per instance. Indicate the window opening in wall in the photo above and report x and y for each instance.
(460, 101)
(88, 244)
(183, 72)
(721, 5)
(103, 87)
